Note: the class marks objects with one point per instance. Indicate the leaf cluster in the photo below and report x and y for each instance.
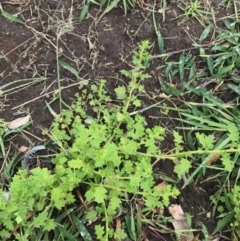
(110, 152)
(28, 204)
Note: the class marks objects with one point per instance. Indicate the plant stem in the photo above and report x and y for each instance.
(187, 49)
(144, 194)
(180, 154)
(58, 77)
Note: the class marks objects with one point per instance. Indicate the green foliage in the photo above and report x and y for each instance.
(113, 3)
(10, 16)
(224, 57)
(111, 152)
(222, 62)
(213, 139)
(3, 127)
(185, 69)
(194, 9)
(109, 4)
(26, 208)
(228, 203)
(29, 204)
(206, 141)
(234, 197)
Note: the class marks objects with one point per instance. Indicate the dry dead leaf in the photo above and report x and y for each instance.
(161, 185)
(173, 85)
(118, 223)
(18, 122)
(180, 222)
(158, 210)
(163, 95)
(213, 159)
(23, 149)
(196, 238)
(215, 239)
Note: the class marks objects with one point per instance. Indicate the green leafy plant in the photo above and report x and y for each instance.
(110, 152)
(28, 205)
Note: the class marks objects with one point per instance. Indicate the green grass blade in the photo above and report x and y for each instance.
(84, 11)
(103, 2)
(69, 68)
(10, 16)
(168, 89)
(81, 228)
(210, 65)
(205, 33)
(223, 222)
(66, 234)
(164, 7)
(160, 42)
(235, 88)
(227, 200)
(53, 113)
(168, 68)
(158, 33)
(190, 141)
(139, 224)
(192, 72)
(219, 146)
(125, 6)
(64, 215)
(225, 70)
(112, 5)
(181, 66)
(130, 226)
(201, 121)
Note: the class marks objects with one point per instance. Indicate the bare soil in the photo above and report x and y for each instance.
(96, 51)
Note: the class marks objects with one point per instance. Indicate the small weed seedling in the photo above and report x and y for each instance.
(195, 10)
(110, 4)
(224, 58)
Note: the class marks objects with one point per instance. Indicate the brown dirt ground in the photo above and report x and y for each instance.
(96, 51)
